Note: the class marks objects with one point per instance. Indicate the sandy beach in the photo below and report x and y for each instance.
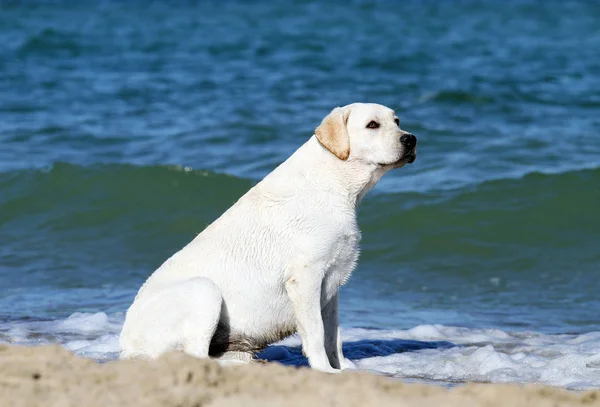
(52, 376)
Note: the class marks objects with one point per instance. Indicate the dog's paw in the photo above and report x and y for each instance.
(329, 370)
(347, 364)
(230, 362)
(326, 369)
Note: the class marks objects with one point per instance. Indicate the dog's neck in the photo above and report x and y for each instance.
(352, 177)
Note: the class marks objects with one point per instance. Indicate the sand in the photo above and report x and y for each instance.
(52, 376)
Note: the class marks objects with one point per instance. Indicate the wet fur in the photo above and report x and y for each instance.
(225, 341)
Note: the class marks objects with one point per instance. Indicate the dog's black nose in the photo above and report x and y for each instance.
(408, 140)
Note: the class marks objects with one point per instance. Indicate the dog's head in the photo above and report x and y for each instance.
(367, 132)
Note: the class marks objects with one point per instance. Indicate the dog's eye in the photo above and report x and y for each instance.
(372, 125)
(397, 121)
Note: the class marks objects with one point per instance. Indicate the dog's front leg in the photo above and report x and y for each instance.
(333, 336)
(305, 294)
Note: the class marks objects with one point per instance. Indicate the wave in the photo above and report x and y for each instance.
(540, 223)
(71, 196)
(71, 226)
(533, 218)
(67, 195)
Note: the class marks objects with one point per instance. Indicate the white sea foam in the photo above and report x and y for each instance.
(85, 334)
(491, 355)
(438, 353)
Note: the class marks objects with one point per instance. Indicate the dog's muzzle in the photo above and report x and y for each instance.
(409, 142)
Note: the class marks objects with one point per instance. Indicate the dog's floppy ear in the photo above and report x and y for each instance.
(333, 134)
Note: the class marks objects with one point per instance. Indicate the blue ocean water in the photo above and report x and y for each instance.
(127, 127)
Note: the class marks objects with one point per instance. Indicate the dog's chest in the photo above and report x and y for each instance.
(344, 255)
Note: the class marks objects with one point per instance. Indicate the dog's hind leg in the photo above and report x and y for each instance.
(204, 302)
(182, 315)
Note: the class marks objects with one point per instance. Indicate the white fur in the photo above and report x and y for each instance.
(272, 264)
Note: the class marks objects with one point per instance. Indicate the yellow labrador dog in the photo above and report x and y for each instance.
(272, 264)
